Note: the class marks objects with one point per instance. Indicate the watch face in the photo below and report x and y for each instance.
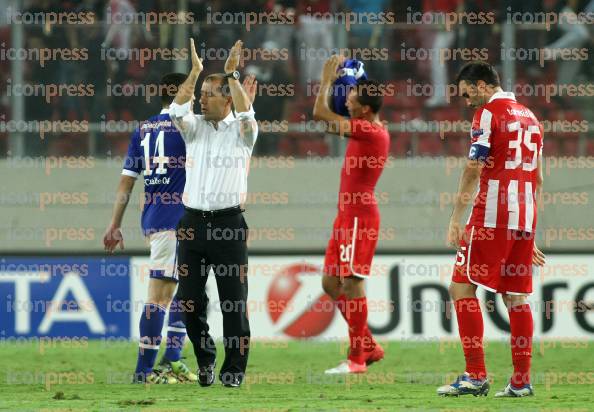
(235, 75)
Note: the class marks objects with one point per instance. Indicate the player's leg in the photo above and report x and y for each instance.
(176, 326)
(516, 285)
(356, 242)
(150, 326)
(470, 320)
(160, 290)
(331, 280)
(356, 313)
(470, 327)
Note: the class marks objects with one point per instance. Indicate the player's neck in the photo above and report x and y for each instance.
(492, 92)
(372, 118)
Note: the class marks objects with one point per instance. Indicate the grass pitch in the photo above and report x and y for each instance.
(288, 376)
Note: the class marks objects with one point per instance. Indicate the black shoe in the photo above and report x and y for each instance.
(206, 374)
(231, 380)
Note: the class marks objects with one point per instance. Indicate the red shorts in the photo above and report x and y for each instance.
(352, 245)
(500, 260)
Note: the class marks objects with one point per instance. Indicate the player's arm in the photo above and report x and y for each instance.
(182, 116)
(538, 258)
(336, 123)
(242, 102)
(466, 187)
(113, 234)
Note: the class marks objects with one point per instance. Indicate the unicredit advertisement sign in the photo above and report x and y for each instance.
(99, 297)
(407, 299)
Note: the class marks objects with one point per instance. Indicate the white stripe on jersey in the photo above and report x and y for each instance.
(485, 125)
(513, 207)
(491, 203)
(529, 206)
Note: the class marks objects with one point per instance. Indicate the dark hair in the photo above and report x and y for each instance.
(472, 72)
(221, 78)
(369, 93)
(169, 85)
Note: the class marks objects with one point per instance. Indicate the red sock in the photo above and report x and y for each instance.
(521, 326)
(357, 320)
(470, 327)
(341, 304)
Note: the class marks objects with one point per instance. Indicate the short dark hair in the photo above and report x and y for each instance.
(472, 72)
(369, 93)
(221, 78)
(169, 85)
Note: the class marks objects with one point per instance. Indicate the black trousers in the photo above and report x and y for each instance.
(217, 243)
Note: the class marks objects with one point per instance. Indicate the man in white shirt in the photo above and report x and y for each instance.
(212, 234)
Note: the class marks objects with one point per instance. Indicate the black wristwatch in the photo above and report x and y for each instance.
(233, 75)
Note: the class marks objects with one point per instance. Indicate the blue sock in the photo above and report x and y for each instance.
(176, 332)
(151, 323)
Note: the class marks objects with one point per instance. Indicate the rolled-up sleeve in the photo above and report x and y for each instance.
(248, 126)
(184, 120)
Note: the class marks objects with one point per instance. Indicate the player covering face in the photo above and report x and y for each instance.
(496, 248)
(355, 231)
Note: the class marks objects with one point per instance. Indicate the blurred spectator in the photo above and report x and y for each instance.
(368, 36)
(283, 34)
(119, 34)
(437, 40)
(573, 36)
(274, 80)
(315, 37)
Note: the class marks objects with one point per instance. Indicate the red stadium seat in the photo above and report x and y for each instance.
(430, 144)
(400, 144)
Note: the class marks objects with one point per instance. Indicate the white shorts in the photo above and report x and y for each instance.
(163, 255)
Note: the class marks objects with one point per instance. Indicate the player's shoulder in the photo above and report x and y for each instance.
(510, 109)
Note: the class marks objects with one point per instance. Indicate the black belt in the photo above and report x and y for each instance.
(230, 211)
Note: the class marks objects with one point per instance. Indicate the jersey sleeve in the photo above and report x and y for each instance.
(361, 129)
(134, 160)
(480, 135)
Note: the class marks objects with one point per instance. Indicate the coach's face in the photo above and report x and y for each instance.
(474, 94)
(213, 104)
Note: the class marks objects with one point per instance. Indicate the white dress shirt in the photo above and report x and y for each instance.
(217, 159)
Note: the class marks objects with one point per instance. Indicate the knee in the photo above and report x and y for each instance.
(514, 300)
(160, 297)
(330, 287)
(353, 287)
(452, 291)
(461, 291)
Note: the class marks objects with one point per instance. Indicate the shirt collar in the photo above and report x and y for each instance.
(502, 95)
(165, 111)
(227, 120)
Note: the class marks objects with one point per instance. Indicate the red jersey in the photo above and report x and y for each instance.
(364, 160)
(508, 138)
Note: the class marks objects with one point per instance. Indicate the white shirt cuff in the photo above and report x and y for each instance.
(179, 110)
(249, 115)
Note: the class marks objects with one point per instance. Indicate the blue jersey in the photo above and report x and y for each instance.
(157, 152)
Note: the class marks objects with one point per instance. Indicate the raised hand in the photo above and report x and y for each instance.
(330, 69)
(234, 57)
(250, 85)
(196, 61)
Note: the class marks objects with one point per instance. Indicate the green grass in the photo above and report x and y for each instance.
(288, 376)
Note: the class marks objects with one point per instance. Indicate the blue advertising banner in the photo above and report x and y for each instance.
(70, 296)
